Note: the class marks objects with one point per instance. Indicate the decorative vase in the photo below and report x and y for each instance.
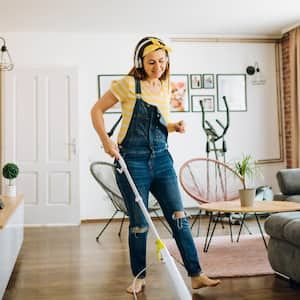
(247, 197)
(11, 191)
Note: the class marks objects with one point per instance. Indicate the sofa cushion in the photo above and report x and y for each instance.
(284, 226)
(289, 181)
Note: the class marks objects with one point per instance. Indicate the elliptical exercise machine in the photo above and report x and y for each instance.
(211, 134)
(212, 137)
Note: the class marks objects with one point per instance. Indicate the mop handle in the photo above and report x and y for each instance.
(179, 284)
(138, 198)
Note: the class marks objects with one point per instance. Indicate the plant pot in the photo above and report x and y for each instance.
(11, 191)
(247, 197)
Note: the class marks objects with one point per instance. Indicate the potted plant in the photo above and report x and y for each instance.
(246, 169)
(10, 171)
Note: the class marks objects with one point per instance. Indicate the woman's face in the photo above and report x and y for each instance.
(155, 63)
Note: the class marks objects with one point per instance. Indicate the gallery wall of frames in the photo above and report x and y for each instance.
(188, 90)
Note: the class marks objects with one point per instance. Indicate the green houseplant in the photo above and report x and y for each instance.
(10, 172)
(246, 169)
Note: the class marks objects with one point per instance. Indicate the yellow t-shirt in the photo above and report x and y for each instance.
(124, 91)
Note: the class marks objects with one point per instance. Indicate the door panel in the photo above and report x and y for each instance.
(41, 134)
(58, 185)
(58, 104)
(25, 123)
(28, 185)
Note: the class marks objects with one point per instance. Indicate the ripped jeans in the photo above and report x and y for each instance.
(155, 173)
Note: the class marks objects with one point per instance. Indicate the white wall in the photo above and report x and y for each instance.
(254, 131)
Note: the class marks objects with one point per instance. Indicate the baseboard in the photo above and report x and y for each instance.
(90, 221)
(50, 225)
(116, 219)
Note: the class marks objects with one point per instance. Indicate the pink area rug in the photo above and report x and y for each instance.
(248, 257)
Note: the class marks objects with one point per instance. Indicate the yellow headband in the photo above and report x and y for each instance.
(154, 46)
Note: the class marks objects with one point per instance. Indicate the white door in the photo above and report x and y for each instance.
(40, 111)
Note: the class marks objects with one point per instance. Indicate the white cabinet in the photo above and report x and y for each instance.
(11, 237)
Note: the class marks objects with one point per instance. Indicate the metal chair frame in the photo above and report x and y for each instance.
(112, 191)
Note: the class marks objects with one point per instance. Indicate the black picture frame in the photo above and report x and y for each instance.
(207, 100)
(208, 81)
(196, 81)
(234, 88)
(104, 83)
(179, 101)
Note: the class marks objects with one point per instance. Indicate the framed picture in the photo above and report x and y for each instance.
(180, 93)
(208, 81)
(233, 87)
(104, 83)
(196, 82)
(207, 100)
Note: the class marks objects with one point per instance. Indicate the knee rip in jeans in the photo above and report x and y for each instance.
(138, 230)
(178, 216)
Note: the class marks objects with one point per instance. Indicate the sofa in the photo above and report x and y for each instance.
(284, 244)
(289, 184)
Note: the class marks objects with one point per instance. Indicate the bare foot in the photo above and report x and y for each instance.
(138, 286)
(203, 281)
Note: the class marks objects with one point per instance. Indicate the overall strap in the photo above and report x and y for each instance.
(138, 90)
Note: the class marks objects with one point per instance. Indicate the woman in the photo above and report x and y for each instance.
(142, 141)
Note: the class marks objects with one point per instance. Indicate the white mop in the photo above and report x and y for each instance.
(179, 284)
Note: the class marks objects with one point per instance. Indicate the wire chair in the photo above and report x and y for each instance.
(104, 174)
(207, 180)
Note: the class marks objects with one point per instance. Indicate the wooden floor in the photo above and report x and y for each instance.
(66, 263)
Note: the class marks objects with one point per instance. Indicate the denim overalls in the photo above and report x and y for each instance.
(146, 154)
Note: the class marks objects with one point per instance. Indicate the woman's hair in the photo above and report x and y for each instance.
(138, 70)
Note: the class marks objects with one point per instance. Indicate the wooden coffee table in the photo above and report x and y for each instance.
(221, 207)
